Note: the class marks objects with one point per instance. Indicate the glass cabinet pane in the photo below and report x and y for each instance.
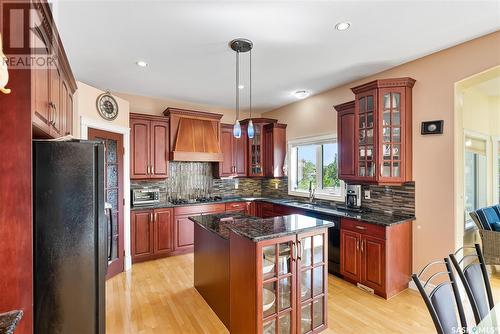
(269, 299)
(318, 313)
(285, 322)
(369, 120)
(318, 281)
(396, 135)
(306, 252)
(386, 169)
(305, 321)
(395, 169)
(387, 101)
(386, 133)
(362, 123)
(269, 327)
(369, 136)
(386, 151)
(396, 151)
(305, 285)
(362, 169)
(285, 289)
(284, 259)
(269, 261)
(362, 137)
(369, 168)
(362, 105)
(318, 248)
(386, 118)
(369, 103)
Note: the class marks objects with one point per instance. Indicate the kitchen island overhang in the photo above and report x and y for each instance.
(263, 275)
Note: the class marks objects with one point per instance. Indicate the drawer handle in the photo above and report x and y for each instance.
(360, 227)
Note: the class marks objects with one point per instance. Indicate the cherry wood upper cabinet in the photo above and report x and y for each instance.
(234, 151)
(148, 147)
(274, 149)
(379, 145)
(52, 82)
(346, 138)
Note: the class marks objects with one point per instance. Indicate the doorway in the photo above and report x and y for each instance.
(113, 188)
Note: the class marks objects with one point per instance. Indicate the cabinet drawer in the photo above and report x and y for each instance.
(236, 206)
(197, 209)
(363, 228)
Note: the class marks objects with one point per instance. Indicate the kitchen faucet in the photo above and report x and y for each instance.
(311, 192)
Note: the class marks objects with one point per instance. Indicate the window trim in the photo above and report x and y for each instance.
(321, 139)
(496, 172)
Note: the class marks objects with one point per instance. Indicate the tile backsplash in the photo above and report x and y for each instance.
(189, 180)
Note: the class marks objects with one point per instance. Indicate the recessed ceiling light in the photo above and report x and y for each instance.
(241, 86)
(301, 94)
(141, 63)
(342, 26)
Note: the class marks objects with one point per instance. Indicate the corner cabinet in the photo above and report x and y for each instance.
(148, 147)
(382, 133)
(376, 257)
(289, 280)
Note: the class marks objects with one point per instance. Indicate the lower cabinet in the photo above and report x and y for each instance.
(290, 282)
(151, 234)
(270, 210)
(184, 233)
(377, 257)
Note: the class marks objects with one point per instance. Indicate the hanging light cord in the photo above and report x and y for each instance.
(237, 85)
(250, 83)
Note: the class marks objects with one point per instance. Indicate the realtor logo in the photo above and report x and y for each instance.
(27, 38)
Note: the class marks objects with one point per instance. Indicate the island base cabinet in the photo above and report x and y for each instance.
(377, 257)
(283, 281)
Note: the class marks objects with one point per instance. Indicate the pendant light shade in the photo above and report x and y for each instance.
(250, 130)
(237, 129)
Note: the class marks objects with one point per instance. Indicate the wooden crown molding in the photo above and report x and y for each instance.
(345, 106)
(150, 117)
(192, 113)
(384, 83)
(259, 120)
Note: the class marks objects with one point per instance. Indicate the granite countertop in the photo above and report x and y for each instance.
(259, 229)
(373, 217)
(9, 321)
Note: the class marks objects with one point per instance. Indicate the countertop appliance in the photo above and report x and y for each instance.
(145, 196)
(353, 196)
(333, 242)
(70, 234)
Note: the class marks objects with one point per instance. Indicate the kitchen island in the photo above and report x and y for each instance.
(263, 275)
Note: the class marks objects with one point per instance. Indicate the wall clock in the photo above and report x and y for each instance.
(107, 106)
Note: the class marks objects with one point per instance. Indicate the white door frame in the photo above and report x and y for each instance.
(85, 124)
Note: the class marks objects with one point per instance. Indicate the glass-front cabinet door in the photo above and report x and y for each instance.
(391, 122)
(256, 154)
(366, 144)
(312, 282)
(278, 269)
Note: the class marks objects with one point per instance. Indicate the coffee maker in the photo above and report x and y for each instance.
(353, 197)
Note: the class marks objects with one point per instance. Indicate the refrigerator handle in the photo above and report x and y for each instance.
(109, 226)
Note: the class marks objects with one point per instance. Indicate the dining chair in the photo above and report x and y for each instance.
(475, 280)
(485, 219)
(443, 300)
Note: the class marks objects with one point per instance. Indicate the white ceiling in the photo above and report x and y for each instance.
(295, 43)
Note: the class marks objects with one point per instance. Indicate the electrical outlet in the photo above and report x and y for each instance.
(236, 184)
(367, 194)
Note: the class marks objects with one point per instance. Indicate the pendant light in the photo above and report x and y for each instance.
(242, 45)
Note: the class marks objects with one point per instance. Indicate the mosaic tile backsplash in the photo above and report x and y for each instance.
(188, 180)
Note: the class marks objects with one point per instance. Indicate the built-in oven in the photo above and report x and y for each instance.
(145, 196)
(333, 242)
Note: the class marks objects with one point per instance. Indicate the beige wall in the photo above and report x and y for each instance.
(85, 105)
(155, 106)
(433, 156)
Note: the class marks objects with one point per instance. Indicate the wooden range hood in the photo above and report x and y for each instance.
(194, 135)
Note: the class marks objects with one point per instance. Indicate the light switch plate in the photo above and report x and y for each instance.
(367, 194)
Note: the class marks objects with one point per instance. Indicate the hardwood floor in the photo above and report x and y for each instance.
(159, 297)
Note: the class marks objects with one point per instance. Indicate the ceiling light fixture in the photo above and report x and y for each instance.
(241, 45)
(301, 94)
(342, 26)
(141, 63)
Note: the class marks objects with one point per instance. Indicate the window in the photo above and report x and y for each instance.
(496, 169)
(314, 163)
(476, 176)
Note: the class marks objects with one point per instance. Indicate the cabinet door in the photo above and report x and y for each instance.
(56, 119)
(159, 150)
(41, 87)
(139, 148)
(347, 137)
(69, 113)
(268, 162)
(277, 288)
(226, 167)
(366, 143)
(373, 262)
(256, 152)
(64, 108)
(184, 233)
(163, 231)
(312, 282)
(349, 254)
(392, 135)
(142, 235)
(240, 153)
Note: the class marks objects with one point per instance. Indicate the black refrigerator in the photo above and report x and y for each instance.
(70, 237)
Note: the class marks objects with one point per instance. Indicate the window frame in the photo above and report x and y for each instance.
(292, 168)
(496, 167)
